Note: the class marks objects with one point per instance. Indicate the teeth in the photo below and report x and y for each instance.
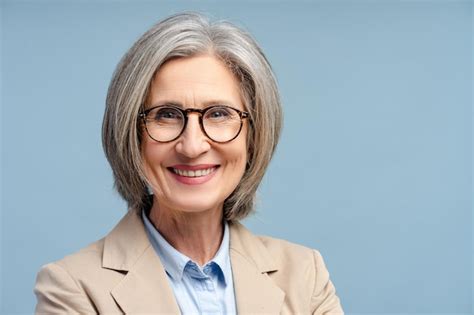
(197, 173)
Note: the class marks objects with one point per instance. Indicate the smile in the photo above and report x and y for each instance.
(195, 173)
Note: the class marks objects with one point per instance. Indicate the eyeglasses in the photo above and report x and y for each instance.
(219, 123)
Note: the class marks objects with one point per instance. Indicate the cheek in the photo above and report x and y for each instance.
(152, 157)
(148, 154)
(238, 156)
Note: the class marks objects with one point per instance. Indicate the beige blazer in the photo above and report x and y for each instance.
(121, 273)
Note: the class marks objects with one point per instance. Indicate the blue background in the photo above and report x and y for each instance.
(374, 167)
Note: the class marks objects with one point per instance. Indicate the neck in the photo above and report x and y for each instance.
(197, 235)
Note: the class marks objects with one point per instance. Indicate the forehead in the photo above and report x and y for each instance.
(194, 81)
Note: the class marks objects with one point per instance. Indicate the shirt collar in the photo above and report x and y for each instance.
(174, 262)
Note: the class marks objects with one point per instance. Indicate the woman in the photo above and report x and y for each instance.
(192, 119)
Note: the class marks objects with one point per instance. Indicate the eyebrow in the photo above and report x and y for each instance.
(204, 104)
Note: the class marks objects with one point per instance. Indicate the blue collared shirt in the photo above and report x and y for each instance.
(206, 290)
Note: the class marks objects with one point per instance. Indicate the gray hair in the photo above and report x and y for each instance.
(186, 35)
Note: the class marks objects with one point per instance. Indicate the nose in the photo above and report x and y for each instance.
(193, 142)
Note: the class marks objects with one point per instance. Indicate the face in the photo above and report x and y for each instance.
(193, 173)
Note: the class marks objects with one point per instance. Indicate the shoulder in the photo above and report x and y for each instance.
(83, 280)
(82, 262)
(282, 253)
(108, 257)
(303, 273)
(63, 286)
(287, 252)
(299, 260)
(298, 270)
(270, 254)
(79, 271)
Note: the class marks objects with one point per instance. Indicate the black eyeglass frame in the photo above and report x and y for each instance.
(185, 112)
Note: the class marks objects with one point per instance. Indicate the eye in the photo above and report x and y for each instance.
(220, 113)
(166, 114)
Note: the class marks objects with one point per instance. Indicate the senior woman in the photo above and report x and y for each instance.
(192, 119)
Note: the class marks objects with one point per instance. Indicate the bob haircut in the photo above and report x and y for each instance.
(178, 36)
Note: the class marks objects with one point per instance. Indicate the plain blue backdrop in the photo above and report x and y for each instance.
(374, 167)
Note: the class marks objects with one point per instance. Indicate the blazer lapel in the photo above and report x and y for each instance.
(255, 292)
(145, 288)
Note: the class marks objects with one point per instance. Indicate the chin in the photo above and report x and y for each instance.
(188, 204)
